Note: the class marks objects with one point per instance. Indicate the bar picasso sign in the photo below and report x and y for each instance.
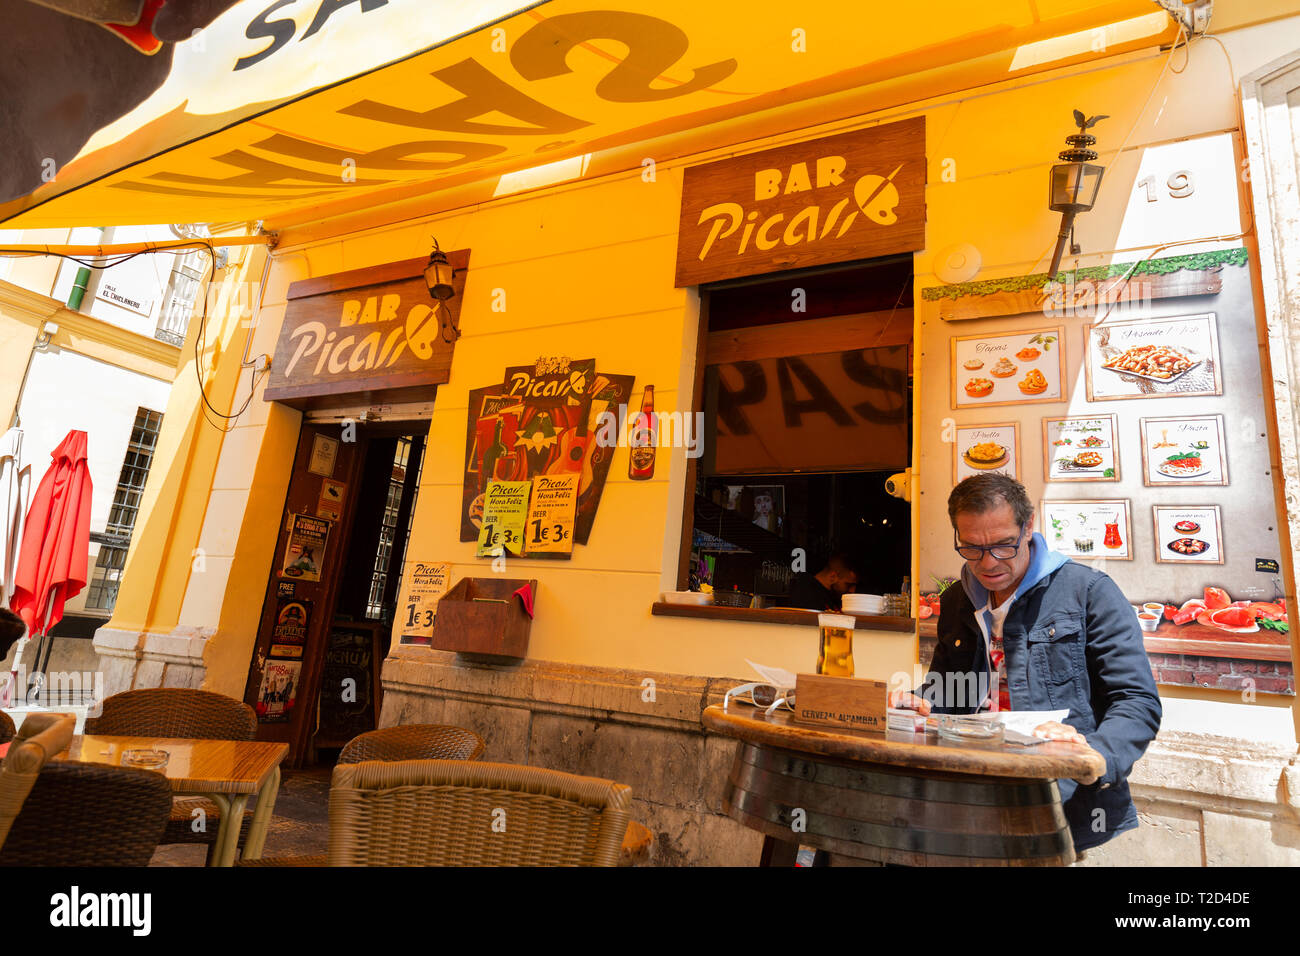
(846, 197)
(351, 335)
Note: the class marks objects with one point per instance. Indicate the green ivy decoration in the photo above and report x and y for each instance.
(1198, 262)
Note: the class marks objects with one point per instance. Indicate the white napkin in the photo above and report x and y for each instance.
(778, 678)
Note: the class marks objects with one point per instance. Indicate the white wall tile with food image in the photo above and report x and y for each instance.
(1188, 534)
(1081, 449)
(1175, 356)
(1015, 368)
(1088, 529)
(1184, 450)
(986, 449)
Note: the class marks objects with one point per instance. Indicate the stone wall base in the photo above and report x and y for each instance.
(639, 729)
(131, 659)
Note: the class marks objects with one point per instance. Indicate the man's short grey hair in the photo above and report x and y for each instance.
(980, 494)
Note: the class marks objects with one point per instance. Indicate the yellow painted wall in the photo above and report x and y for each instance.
(587, 271)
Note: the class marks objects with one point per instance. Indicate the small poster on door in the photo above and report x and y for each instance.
(292, 616)
(304, 552)
(505, 509)
(278, 692)
(324, 454)
(330, 503)
(550, 517)
(425, 583)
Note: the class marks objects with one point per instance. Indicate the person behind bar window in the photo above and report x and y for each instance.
(824, 590)
(1029, 629)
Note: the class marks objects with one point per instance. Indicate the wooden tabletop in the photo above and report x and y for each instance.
(193, 766)
(1052, 760)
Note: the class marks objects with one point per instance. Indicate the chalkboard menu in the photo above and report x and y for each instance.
(348, 700)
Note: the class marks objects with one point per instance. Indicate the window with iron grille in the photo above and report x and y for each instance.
(175, 316)
(102, 593)
(388, 530)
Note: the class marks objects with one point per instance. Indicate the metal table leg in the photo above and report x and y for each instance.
(232, 818)
(261, 817)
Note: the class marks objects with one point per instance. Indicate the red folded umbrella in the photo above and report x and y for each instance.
(56, 539)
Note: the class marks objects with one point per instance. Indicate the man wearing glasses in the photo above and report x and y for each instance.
(1029, 629)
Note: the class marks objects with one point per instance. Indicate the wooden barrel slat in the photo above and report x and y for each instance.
(886, 814)
(933, 786)
(885, 809)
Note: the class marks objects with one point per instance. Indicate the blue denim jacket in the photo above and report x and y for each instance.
(1072, 642)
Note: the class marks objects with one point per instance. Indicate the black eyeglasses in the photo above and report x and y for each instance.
(973, 552)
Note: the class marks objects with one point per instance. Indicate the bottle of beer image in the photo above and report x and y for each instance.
(490, 456)
(641, 442)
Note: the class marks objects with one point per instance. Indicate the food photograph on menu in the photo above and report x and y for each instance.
(1188, 534)
(1177, 356)
(1014, 368)
(983, 449)
(1184, 450)
(1088, 529)
(1081, 449)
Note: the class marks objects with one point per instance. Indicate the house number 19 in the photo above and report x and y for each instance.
(1179, 183)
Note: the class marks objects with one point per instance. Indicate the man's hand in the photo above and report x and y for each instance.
(905, 700)
(1051, 730)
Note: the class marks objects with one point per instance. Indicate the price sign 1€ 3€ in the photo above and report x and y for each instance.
(505, 507)
(551, 517)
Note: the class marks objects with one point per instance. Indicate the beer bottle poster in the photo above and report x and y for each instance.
(550, 518)
(279, 690)
(505, 508)
(426, 582)
(304, 552)
(289, 633)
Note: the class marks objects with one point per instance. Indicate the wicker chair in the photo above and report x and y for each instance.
(414, 742)
(458, 813)
(6, 728)
(41, 737)
(180, 712)
(455, 813)
(89, 814)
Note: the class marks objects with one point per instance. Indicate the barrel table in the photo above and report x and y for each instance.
(897, 797)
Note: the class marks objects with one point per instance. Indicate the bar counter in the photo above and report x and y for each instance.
(897, 797)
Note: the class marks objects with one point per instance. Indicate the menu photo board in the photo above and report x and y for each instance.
(1184, 450)
(1081, 449)
(1188, 534)
(1007, 368)
(986, 449)
(1153, 358)
(1089, 529)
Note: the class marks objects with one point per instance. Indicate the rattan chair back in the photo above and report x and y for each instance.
(7, 730)
(458, 813)
(174, 712)
(414, 742)
(87, 814)
(41, 736)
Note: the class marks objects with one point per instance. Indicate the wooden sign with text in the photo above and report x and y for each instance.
(840, 702)
(852, 196)
(365, 336)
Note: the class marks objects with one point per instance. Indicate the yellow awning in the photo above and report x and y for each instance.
(278, 113)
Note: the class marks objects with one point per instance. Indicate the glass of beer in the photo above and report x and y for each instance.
(835, 658)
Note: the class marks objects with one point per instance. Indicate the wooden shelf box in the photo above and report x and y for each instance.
(482, 616)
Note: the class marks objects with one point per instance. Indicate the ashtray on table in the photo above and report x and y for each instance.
(145, 759)
(963, 727)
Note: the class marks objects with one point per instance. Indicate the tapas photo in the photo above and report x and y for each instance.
(1007, 369)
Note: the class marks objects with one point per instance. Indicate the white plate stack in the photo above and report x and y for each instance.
(863, 604)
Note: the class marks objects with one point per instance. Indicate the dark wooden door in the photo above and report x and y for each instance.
(285, 673)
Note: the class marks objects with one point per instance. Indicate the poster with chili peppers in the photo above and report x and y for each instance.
(543, 420)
